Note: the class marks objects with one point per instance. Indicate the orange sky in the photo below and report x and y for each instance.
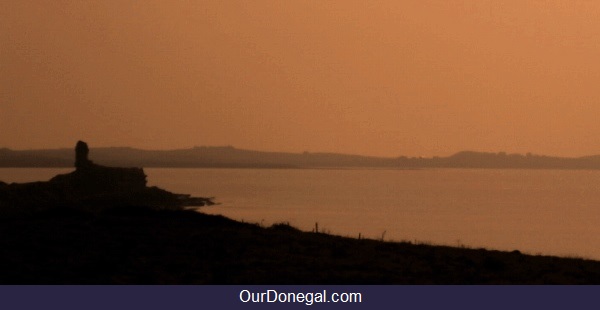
(389, 78)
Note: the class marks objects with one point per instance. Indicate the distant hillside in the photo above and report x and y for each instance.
(230, 157)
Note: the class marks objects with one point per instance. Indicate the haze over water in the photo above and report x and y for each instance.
(551, 212)
(535, 211)
(382, 78)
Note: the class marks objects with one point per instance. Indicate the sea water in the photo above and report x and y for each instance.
(553, 212)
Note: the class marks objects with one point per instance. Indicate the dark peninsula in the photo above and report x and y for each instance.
(91, 187)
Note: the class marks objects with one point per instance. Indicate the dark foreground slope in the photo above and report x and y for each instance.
(143, 246)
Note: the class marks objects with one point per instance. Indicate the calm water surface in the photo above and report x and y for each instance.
(535, 211)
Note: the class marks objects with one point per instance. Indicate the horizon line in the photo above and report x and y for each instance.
(306, 152)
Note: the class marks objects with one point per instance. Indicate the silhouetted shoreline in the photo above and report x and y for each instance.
(90, 187)
(147, 246)
(103, 225)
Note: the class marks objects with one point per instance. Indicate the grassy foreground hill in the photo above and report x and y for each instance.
(141, 246)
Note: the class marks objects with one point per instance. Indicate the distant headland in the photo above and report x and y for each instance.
(230, 157)
(92, 187)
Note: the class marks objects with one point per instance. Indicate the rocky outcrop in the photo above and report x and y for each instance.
(93, 187)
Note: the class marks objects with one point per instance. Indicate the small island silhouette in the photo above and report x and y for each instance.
(91, 187)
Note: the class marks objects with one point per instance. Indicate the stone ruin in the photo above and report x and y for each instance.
(92, 187)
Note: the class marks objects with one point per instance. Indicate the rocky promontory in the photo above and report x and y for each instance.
(91, 187)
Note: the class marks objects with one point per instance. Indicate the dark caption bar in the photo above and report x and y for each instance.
(297, 297)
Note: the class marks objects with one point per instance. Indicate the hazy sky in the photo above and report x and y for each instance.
(393, 77)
